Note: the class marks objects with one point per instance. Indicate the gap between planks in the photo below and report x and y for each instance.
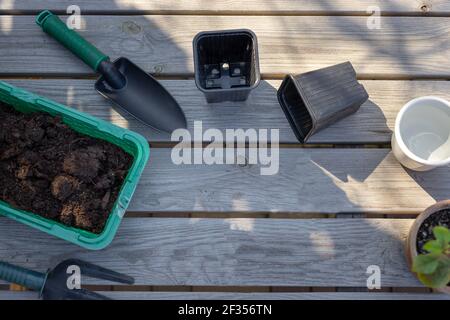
(255, 296)
(270, 215)
(298, 7)
(240, 289)
(247, 145)
(190, 76)
(423, 12)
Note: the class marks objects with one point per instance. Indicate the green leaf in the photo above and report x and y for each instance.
(434, 246)
(442, 234)
(425, 264)
(438, 279)
(445, 261)
(425, 279)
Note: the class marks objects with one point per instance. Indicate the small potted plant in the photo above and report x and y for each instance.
(428, 247)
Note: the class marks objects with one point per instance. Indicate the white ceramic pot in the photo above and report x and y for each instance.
(421, 139)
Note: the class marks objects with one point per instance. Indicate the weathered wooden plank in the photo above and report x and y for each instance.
(234, 6)
(371, 124)
(308, 180)
(124, 295)
(402, 47)
(232, 252)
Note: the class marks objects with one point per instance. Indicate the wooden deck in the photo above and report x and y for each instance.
(338, 204)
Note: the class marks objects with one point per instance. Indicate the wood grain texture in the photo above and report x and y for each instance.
(309, 180)
(124, 295)
(371, 124)
(232, 252)
(237, 7)
(402, 47)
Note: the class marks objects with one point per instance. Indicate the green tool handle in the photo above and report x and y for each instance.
(27, 278)
(52, 25)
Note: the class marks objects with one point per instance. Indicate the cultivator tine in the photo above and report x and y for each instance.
(95, 271)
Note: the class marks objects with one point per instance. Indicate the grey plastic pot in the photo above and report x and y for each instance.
(226, 64)
(314, 100)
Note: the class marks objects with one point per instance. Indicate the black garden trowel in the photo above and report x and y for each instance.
(54, 284)
(124, 83)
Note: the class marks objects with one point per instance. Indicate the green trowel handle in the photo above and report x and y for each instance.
(52, 25)
(27, 278)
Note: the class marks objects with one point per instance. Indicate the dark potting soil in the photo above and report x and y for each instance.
(53, 171)
(425, 233)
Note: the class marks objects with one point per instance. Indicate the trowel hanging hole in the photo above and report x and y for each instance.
(42, 16)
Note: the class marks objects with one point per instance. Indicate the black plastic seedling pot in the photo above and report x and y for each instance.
(226, 64)
(314, 100)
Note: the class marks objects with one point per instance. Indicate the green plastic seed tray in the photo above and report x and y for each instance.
(129, 141)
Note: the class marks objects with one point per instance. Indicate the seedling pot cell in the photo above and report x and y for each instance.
(313, 101)
(226, 64)
(130, 142)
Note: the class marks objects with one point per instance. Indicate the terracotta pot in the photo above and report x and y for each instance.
(411, 241)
